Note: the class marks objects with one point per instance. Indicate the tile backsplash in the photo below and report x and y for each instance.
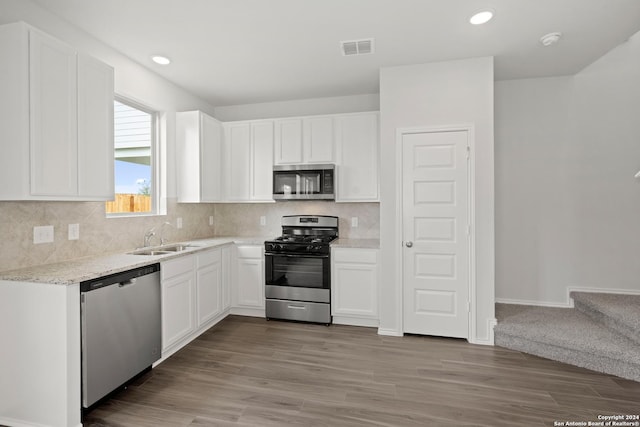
(244, 219)
(100, 235)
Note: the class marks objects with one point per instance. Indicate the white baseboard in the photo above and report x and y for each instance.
(600, 291)
(355, 321)
(251, 312)
(491, 323)
(529, 302)
(390, 332)
(569, 301)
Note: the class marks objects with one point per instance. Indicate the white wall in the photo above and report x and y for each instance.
(567, 204)
(445, 93)
(302, 107)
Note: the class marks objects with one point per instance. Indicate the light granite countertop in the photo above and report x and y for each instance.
(81, 269)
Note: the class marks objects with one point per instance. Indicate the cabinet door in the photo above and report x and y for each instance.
(355, 290)
(209, 288)
(250, 282)
(318, 140)
(178, 314)
(210, 159)
(262, 161)
(238, 165)
(357, 142)
(226, 277)
(95, 129)
(53, 109)
(288, 141)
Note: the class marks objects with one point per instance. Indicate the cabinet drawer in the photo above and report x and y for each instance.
(249, 251)
(208, 258)
(358, 256)
(297, 310)
(174, 267)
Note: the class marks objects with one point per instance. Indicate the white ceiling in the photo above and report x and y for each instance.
(246, 51)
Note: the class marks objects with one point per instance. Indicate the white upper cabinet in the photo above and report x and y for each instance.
(262, 161)
(57, 110)
(288, 141)
(248, 167)
(304, 140)
(95, 128)
(199, 157)
(53, 107)
(357, 157)
(319, 139)
(237, 145)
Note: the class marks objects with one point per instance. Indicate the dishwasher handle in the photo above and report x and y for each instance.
(127, 282)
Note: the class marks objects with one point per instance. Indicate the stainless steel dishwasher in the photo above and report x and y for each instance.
(121, 329)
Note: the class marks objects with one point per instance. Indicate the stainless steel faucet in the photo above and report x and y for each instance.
(147, 237)
(162, 240)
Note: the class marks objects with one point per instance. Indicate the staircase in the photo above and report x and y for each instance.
(601, 332)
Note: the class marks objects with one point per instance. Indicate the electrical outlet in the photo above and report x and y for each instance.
(211, 220)
(263, 220)
(74, 231)
(43, 234)
(354, 221)
(178, 223)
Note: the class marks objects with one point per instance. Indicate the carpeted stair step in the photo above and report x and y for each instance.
(618, 312)
(569, 336)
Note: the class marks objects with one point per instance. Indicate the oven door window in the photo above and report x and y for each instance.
(297, 183)
(307, 271)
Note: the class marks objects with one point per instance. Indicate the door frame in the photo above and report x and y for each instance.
(400, 132)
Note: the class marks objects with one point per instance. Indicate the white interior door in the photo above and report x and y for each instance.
(436, 233)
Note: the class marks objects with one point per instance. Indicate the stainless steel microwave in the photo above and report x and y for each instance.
(304, 182)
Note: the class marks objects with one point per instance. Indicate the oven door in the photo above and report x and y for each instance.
(297, 270)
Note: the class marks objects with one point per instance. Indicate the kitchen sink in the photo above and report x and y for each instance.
(151, 252)
(163, 250)
(175, 248)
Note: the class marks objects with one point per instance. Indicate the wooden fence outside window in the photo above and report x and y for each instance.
(129, 203)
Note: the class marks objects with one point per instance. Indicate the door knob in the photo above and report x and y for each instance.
(409, 244)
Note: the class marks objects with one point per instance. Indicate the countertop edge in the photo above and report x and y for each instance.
(65, 273)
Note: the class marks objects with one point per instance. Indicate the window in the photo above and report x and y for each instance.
(135, 142)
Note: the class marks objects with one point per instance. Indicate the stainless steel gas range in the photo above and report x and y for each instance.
(298, 269)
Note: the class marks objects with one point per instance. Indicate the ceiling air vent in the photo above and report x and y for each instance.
(356, 47)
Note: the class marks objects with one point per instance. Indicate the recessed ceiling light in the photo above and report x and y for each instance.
(481, 17)
(162, 60)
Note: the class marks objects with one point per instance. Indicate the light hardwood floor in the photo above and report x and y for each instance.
(252, 372)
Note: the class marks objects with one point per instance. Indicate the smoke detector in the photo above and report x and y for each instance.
(550, 39)
(356, 47)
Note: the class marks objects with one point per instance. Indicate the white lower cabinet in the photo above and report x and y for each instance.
(354, 286)
(208, 285)
(195, 295)
(248, 280)
(226, 276)
(178, 300)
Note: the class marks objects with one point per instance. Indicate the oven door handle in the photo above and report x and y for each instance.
(296, 255)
